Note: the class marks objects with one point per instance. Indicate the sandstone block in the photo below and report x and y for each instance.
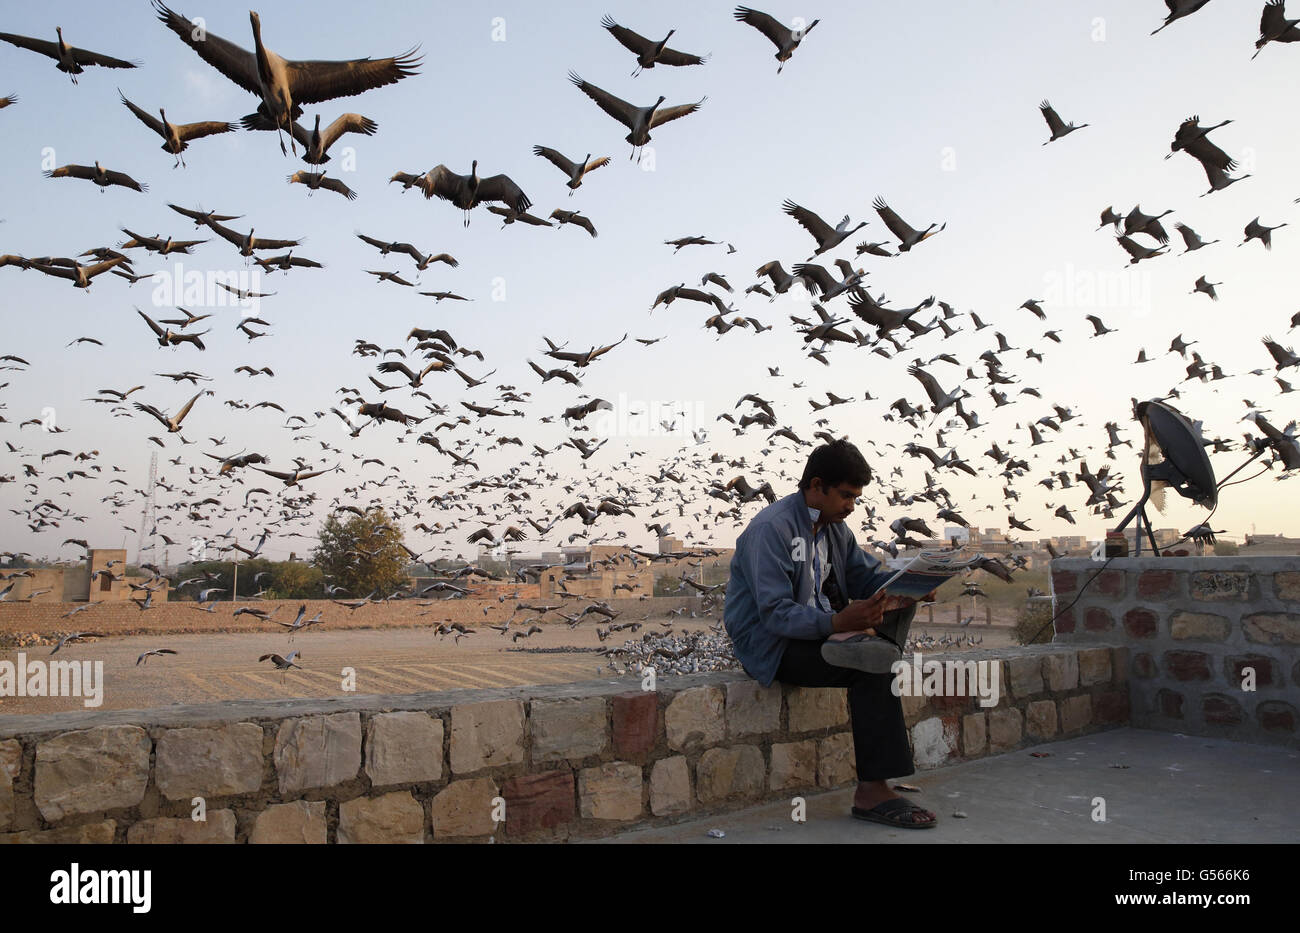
(635, 718)
(1025, 675)
(975, 734)
(317, 751)
(568, 728)
(729, 773)
(464, 808)
(695, 718)
(484, 735)
(1094, 666)
(99, 834)
(1272, 628)
(1040, 719)
(391, 818)
(836, 764)
(1004, 729)
(215, 762)
(538, 801)
(670, 786)
(752, 709)
(1062, 671)
(11, 756)
(403, 748)
(610, 791)
(300, 822)
(1076, 713)
(794, 764)
(219, 828)
(1202, 626)
(817, 707)
(91, 770)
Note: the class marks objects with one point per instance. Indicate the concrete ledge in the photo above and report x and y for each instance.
(537, 763)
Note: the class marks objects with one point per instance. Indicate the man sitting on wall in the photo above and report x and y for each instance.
(804, 607)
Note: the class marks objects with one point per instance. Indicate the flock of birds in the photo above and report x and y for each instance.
(708, 492)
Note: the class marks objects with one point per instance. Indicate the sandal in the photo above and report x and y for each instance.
(892, 812)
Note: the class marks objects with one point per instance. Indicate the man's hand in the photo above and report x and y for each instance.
(861, 614)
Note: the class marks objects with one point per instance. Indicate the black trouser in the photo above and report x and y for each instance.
(879, 735)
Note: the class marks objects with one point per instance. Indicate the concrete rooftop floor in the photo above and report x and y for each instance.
(1175, 789)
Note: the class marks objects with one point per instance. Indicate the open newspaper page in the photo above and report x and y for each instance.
(929, 570)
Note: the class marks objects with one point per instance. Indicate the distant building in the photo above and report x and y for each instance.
(1270, 546)
(101, 579)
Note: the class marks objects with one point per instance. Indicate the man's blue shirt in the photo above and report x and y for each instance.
(771, 594)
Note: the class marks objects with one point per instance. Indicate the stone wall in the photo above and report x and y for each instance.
(572, 760)
(1194, 628)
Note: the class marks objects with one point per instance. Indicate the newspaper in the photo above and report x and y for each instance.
(928, 571)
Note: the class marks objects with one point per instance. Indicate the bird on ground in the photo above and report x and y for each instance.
(648, 53)
(1058, 126)
(71, 60)
(176, 136)
(282, 84)
(785, 39)
(639, 120)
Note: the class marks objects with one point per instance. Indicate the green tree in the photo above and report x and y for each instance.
(363, 554)
(297, 580)
(1226, 549)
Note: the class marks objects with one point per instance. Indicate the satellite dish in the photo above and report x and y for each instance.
(1173, 457)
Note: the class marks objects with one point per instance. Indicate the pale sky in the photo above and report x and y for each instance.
(934, 107)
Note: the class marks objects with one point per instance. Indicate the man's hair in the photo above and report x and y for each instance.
(835, 463)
